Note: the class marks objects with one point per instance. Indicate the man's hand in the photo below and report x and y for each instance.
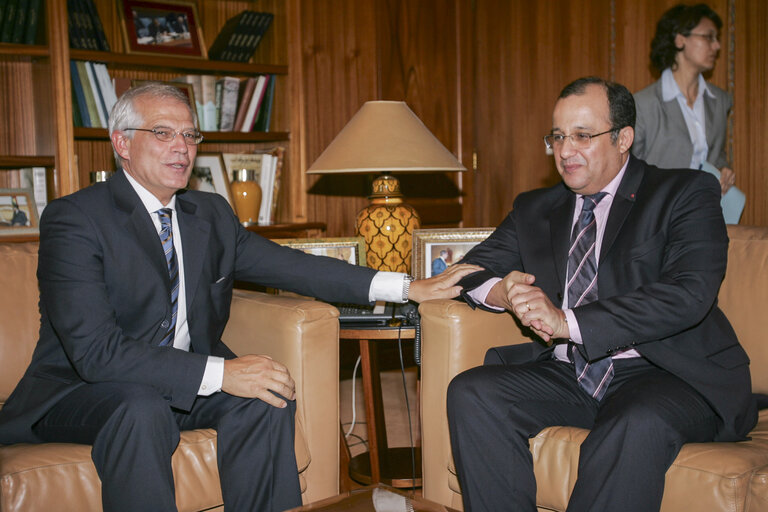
(727, 179)
(442, 286)
(253, 376)
(517, 294)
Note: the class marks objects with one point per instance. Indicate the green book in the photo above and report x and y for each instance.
(20, 24)
(9, 23)
(33, 16)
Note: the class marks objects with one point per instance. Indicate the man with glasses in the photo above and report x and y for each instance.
(136, 280)
(616, 271)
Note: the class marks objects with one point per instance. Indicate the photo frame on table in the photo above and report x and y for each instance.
(170, 27)
(428, 244)
(349, 249)
(209, 174)
(185, 88)
(18, 212)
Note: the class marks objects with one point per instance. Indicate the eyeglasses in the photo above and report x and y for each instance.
(162, 133)
(580, 140)
(711, 37)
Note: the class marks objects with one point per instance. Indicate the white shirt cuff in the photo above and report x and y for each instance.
(387, 286)
(573, 327)
(213, 377)
(480, 293)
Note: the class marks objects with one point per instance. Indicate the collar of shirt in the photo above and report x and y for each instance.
(150, 202)
(670, 90)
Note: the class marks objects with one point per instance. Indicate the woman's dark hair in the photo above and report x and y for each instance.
(680, 19)
(621, 103)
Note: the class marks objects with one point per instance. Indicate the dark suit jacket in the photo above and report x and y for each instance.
(662, 260)
(661, 135)
(105, 295)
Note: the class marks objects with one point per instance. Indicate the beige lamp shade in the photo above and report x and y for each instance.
(386, 137)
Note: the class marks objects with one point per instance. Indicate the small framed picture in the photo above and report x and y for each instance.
(210, 175)
(351, 249)
(185, 88)
(18, 213)
(434, 250)
(170, 27)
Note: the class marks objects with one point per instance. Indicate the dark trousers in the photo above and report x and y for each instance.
(134, 432)
(636, 433)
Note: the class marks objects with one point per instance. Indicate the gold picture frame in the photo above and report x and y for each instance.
(349, 249)
(428, 243)
(170, 27)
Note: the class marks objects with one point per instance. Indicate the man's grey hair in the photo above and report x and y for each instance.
(125, 115)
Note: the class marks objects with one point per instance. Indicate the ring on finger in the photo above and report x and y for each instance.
(528, 306)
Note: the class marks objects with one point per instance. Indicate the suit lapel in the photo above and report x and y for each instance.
(622, 204)
(560, 221)
(195, 233)
(139, 224)
(709, 116)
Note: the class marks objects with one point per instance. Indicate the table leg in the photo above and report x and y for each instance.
(374, 414)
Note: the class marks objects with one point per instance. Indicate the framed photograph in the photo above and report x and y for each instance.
(210, 175)
(170, 27)
(185, 88)
(434, 250)
(18, 213)
(351, 250)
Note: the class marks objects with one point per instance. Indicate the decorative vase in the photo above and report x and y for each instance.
(246, 193)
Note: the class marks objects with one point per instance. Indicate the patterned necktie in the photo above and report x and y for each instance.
(593, 377)
(166, 237)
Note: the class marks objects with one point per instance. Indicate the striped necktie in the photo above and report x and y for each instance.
(166, 237)
(594, 376)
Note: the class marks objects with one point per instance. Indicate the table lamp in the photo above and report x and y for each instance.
(386, 137)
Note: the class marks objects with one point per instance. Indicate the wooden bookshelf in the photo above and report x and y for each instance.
(36, 92)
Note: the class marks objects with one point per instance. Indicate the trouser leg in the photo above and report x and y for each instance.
(257, 463)
(646, 417)
(133, 434)
(493, 411)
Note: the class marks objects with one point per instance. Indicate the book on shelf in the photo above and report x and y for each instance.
(106, 88)
(238, 38)
(9, 20)
(77, 88)
(94, 93)
(278, 155)
(98, 97)
(33, 18)
(208, 101)
(230, 87)
(97, 27)
(265, 112)
(90, 99)
(255, 103)
(246, 92)
(17, 35)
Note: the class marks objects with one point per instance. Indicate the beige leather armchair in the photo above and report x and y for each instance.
(303, 334)
(708, 476)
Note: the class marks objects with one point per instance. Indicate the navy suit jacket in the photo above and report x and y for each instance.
(105, 295)
(662, 260)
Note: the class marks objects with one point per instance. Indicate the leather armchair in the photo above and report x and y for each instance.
(705, 476)
(303, 334)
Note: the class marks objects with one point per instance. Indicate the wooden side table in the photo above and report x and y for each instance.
(391, 466)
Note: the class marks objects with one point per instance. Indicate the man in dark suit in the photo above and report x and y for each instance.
(635, 310)
(136, 282)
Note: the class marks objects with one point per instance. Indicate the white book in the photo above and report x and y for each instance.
(34, 178)
(106, 86)
(267, 188)
(229, 94)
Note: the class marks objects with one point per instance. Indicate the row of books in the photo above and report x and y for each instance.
(31, 180)
(19, 21)
(85, 29)
(268, 166)
(239, 37)
(229, 103)
(93, 94)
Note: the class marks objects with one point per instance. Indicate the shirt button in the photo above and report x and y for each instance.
(165, 324)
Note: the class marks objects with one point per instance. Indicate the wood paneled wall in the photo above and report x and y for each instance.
(483, 75)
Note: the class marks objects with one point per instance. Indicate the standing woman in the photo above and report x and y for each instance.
(682, 119)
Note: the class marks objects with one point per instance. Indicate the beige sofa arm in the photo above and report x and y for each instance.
(454, 338)
(304, 335)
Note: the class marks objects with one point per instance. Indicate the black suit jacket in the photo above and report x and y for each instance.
(662, 260)
(105, 295)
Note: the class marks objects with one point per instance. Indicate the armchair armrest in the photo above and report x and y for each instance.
(303, 335)
(454, 338)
